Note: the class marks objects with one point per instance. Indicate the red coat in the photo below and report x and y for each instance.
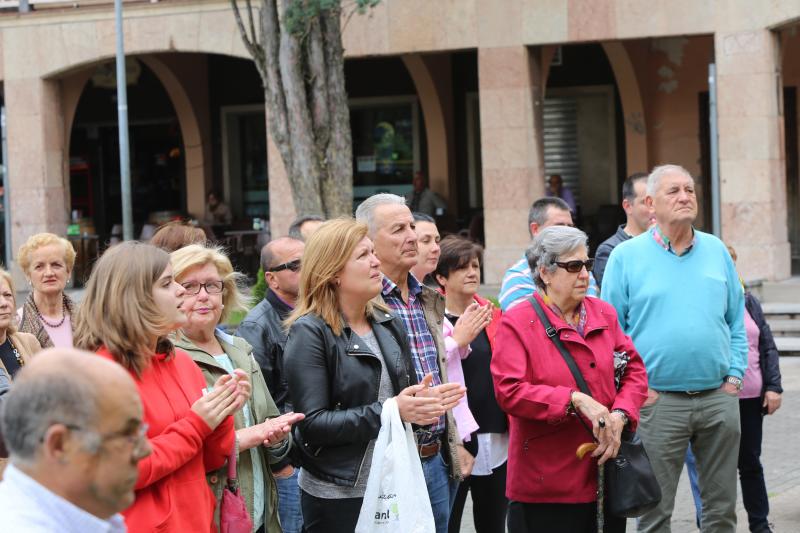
(172, 493)
(533, 385)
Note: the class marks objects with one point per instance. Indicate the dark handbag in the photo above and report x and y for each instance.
(631, 488)
(233, 515)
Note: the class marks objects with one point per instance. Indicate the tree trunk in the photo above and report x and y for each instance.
(302, 70)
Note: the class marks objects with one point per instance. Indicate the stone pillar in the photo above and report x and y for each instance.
(281, 203)
(37, 162)
(509, 80)
(751, 152)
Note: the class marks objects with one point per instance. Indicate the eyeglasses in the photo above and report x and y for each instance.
(573, 267)
(136, 438)
(294, 266)
(211, 287)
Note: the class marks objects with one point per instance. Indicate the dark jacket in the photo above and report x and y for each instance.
(334, 381)
(768, 353)
(263, 329)
(604, 250)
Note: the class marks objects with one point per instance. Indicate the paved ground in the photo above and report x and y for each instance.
(781, 459)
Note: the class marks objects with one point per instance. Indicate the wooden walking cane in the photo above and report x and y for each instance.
(583, 449)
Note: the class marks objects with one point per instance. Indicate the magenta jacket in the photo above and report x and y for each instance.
(533, 386)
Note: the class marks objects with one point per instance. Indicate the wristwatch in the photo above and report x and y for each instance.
(623, 415)
(733, 380)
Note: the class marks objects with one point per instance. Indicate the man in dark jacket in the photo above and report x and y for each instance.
(263, 329)
(640, 218)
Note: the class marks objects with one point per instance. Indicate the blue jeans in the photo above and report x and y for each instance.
(691, 469)
(289, 503)
(441, 489)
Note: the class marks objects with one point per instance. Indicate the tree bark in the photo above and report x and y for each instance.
(307, 114)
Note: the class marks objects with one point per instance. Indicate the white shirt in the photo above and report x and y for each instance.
(26, 505)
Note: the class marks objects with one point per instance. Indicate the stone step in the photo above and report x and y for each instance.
(783, 326)
(781, 308)
(788, 345)
(781, 291)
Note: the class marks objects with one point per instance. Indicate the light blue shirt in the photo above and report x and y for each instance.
(27, 506)
(258, 474)
(518, 285)
(684, 313)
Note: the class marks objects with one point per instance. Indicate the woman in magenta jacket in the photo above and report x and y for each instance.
(549, 488)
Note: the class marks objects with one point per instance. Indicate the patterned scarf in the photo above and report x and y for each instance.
(30, 322)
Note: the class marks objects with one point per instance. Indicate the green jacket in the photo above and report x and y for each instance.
(261, 405)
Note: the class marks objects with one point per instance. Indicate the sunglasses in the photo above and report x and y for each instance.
(294, 266)
(573, 267)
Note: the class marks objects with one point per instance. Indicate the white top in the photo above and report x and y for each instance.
(27, 506)
(492, 453)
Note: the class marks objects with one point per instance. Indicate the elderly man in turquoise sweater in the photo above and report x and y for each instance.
(678, 296)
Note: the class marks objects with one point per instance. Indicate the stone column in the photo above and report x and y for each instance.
(751, 152)
(509, 80)
(37, 163)
(281, 203)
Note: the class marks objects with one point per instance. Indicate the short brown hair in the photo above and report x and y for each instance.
(118, 310)
(196, 255)
(456, 253)
(177, 234)
(327, 252)
(35, 242)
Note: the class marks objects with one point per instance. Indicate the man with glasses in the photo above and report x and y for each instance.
(678, 296)
(517, 282)
(73, 426)
(263, 329)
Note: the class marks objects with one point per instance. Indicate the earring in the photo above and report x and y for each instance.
(222, 306)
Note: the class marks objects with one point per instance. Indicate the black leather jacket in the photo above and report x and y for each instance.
(334, 381)
(263, 329)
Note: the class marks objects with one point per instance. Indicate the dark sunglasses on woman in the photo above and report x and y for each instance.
(573, 267)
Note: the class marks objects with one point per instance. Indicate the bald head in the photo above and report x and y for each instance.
(274, 252)
(60, 386)
(281, 262)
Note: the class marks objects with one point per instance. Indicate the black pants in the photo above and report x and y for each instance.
(751, 473)
(559, 518)
(489, 503)
(322, 515)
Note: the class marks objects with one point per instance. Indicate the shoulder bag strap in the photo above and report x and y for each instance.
(573, 366)
(233, 482)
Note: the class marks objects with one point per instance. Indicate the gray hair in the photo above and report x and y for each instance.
(294, 228)
(37, 402)
(659, 172)
(550, 244)
(366, 211)
(539, 208)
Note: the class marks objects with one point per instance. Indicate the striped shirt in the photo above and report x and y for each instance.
(423, 346)
(665, 243)
(518, 285)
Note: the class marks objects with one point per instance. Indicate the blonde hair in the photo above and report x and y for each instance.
(196, 255)
(35, 242)
(327, 252)
(118, 310)
(6, 276)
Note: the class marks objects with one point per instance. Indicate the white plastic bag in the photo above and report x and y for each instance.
(396, 499)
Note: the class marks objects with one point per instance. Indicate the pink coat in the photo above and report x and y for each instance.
(465, 422)
(533, 385)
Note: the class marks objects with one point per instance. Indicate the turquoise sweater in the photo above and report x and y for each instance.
(685, 314)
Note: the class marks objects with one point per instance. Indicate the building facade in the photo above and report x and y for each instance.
(486, 97)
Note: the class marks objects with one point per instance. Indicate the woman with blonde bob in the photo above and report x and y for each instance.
(47, 261)
(211, 294)
(131, 304)
(345, 355)
(16, 347)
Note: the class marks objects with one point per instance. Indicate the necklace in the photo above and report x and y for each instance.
(16, 353)
(45, 322)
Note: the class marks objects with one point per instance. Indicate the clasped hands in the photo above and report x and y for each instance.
(423, 404)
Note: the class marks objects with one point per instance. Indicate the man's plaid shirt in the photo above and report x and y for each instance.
(423, 347)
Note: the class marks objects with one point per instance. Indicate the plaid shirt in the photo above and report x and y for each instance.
(423, 347)
(664, 242)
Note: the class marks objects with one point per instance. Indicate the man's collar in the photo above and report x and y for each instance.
(389, 286)
(278, 303)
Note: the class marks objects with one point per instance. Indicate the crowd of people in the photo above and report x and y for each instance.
(136, 409)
